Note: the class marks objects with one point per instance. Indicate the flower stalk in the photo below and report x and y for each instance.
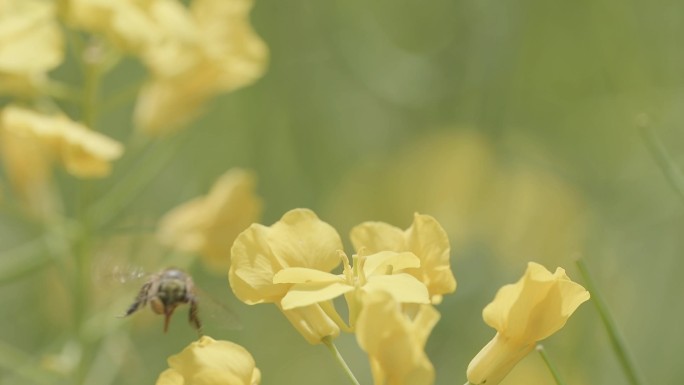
(550, 365)
(616, 340)
(328, 342)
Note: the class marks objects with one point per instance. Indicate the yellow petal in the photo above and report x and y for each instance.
(28, 27)
(384, 261)
(304, 275)
(231, 42)
(535, 307)
(30, 175)
(212, 362)
(403, 288)
(164, 105)
(305, 294)
(425, 238)
(312, 323)
(209, 225)
(428, 240)
(393, 342)
(378, 236)
(85, 153)
(170, 377)
(299, 239)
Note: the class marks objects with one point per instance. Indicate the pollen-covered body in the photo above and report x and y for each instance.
(166, 290)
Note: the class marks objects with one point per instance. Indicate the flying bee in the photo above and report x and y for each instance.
(164, 292)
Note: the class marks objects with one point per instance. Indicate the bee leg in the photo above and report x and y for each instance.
(194, 316)
(140, 300)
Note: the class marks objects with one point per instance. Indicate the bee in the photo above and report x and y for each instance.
(164, 292)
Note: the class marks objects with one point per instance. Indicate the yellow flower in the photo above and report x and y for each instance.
(192, 53)
(48, 138)
(84, 153)
(209, 225)
(378, 272)
(28, 27)
(299, 239)
(425, 238)
(211, 362)
(394, 342)
(532, 309)
(219, 52)
(132, 25)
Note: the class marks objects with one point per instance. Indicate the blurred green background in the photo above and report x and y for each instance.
(513, 123)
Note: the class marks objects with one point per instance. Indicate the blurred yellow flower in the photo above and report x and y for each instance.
(132, 25)
(220, 53)
(193, 53)
(48, 138)
(394, 342)
(425, 238)
(209, 225)
(532, 309)
(507, 203)
(84, 153)
(28, 27)
(211, 362)
(533, 214)
(299, 239)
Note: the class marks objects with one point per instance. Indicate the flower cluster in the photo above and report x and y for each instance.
(192, 53)
(388, 289)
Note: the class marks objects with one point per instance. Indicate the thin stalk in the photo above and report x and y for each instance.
(340, 360)
(23, 260)
(91, 85)
(550, 365)
(670, 169)
(120, 197)
(616, 340)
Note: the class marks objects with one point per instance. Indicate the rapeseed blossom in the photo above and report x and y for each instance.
(526, 312)
(293, 268)
(211, 362)
(380, 272)
(27, 27)
(84, 153)
(50, 139)
(192, 53)
(299, 239)
(425, 238)
(208, 225)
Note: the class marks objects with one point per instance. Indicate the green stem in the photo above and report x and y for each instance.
(340, 360)
(550, 365)
(120, 198)
(64, 92)
(670, 169)
(91, 85)
(616, 340)
(23, 260)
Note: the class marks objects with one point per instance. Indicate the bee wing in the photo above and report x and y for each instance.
(215, 313)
